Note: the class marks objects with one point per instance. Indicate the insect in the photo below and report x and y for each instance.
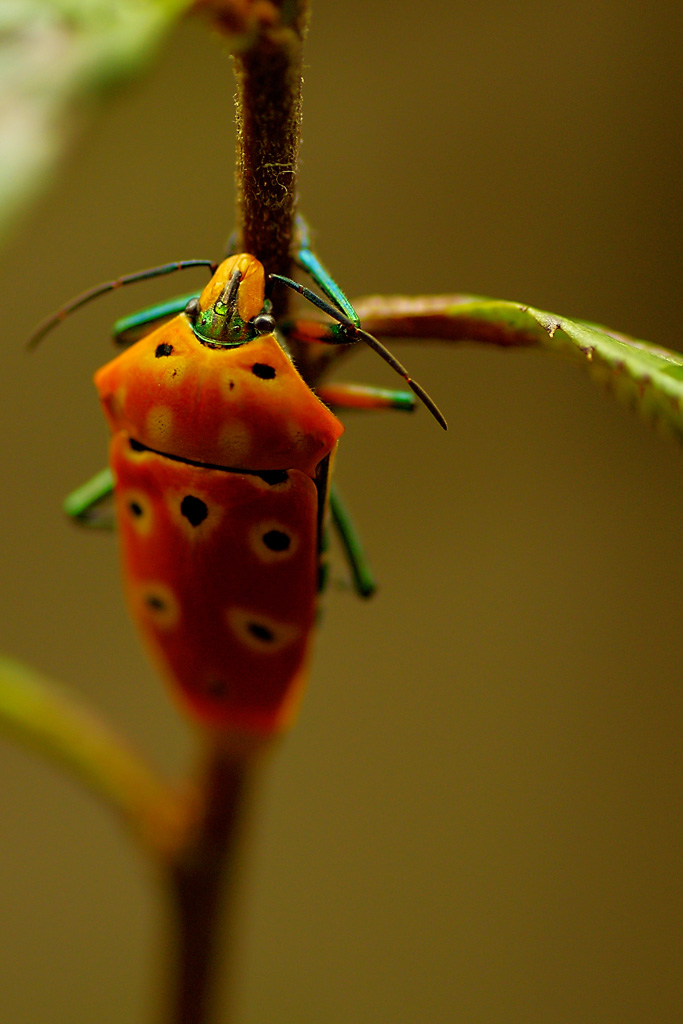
(220, 464)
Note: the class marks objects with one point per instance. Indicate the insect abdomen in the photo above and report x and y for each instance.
(220, 569)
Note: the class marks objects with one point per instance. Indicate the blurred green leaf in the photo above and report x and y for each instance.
(58, 58)
(46, 717)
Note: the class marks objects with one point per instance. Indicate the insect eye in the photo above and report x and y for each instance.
(192, 309)
(264, 323)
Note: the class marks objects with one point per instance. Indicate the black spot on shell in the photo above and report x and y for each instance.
(155, 602)
(273, 476)
(135, 509)
(163, 350)
(276, 540)
(261, 632)
(194, 509)
(263, 370)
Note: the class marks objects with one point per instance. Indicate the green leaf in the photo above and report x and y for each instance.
(58, 58)
(45, 716)
(645, 376)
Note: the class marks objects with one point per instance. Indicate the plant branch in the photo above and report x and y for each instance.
(268, 73)
(201, 875)
(202, 881)
(645, 376)
(45, 716)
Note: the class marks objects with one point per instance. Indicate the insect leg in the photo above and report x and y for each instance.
(129, 329)
(309, 262)
(311, 331)
(346, 332)
(84, 504)
(362, 396)
(363, 578)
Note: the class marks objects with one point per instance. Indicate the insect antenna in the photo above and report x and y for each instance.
(51, 321)
(351, 333)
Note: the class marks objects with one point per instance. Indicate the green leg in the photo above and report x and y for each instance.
(84, 504)
(309, 262)
(363, 579)
(363, 396)
(131, 328)
(344, 332)
(344, 395)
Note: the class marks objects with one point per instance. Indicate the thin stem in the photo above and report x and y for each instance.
(201, 875)
(202, 883)
(268, 101)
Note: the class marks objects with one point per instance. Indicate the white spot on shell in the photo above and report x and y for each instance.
(296, 434)
(118, 400)
(159, 426)
(236, 443)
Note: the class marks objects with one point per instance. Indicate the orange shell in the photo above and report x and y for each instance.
(245, 407)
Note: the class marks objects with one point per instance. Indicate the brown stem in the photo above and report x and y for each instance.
(202, 883)
(201, 873)
(268, 74)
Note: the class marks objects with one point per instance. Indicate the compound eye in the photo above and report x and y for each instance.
(264, 323)
(192, 310)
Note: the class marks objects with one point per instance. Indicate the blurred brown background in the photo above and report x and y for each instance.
(478, 815)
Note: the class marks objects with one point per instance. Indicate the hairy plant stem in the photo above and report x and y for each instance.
(201, 874)
(268, 74)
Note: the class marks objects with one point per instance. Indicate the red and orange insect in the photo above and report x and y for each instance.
(220, 565)
(220, 460)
